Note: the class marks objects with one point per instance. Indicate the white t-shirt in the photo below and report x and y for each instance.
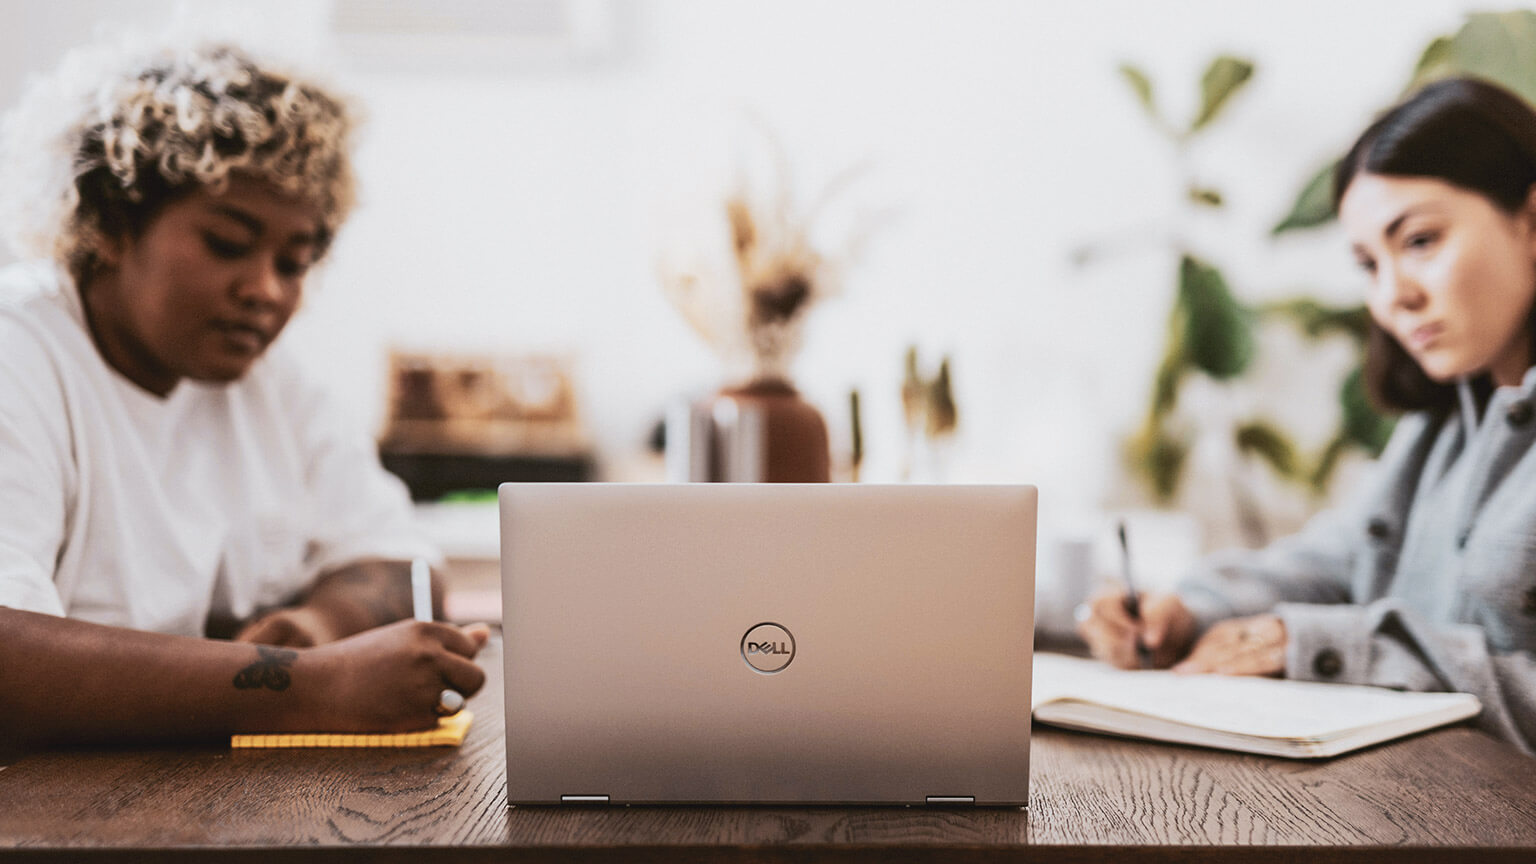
(123, 508)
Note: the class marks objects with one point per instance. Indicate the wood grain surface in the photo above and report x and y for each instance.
(1454, 794)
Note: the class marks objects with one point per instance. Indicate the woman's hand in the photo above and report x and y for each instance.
(1166, 628)
(293, 627)
(341, 602)
(389, 679)
(1240, 646)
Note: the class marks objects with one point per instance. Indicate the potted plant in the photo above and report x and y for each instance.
(753, 316)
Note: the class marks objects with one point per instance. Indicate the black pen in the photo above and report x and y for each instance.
(1132, 599)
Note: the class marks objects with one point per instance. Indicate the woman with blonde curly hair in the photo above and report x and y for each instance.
(194, 543)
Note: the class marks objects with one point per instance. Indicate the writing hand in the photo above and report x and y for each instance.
(1165, 627)
(1240, 646)
(389, 679)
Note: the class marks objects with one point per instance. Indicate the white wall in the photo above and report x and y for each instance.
(527, 210)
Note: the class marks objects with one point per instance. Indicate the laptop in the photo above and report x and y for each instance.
(718, 643)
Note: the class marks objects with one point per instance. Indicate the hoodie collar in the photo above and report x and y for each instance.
(1470, 422)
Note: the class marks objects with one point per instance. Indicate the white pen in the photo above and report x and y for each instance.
(421, 589)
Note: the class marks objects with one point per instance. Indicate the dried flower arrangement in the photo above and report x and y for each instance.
(928, 404)
(928, 407)
(753, 316)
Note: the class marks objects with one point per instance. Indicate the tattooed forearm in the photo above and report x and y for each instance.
(270, 669)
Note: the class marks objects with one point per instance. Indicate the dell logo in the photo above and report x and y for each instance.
(768, 648)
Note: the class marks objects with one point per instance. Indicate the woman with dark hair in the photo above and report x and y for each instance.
(168, 472)
(1428, 580)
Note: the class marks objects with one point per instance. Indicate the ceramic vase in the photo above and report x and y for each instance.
(778, 436)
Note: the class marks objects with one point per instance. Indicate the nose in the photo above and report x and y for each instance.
(262, 285)
(1397, 289)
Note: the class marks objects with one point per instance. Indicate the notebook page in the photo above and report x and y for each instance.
(1239, 705)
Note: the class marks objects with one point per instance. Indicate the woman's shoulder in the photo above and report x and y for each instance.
(1413, 435)
(44, 349)
(29, 282)
(37, 320)
(1414, 427)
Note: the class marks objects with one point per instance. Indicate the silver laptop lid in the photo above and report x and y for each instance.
(712, 643)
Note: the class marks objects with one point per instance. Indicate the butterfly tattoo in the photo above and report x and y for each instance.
(270, 671)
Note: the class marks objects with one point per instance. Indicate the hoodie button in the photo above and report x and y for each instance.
(1378, 528)
(1519, 413)
(1328, 663)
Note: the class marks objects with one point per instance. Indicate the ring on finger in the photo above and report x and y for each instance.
(449, 702)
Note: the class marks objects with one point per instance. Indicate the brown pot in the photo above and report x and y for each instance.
(792, 436)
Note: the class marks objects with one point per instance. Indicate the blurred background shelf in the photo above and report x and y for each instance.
(431, 476)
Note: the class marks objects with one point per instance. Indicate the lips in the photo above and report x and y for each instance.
(243, 337)
(1425, 336)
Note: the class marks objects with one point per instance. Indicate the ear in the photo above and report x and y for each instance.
(111, 250)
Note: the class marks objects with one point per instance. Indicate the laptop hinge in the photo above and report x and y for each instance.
(583, 799)
(951, 799)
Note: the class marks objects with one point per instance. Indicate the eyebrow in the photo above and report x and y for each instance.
(1396, 224)
(1392, 228)
(257, 227)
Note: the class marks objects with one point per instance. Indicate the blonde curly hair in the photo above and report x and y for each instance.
(97, 150)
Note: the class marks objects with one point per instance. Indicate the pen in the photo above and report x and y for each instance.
(1132, 599)
(421, 590)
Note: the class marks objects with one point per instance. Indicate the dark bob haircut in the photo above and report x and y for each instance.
(1471, 134)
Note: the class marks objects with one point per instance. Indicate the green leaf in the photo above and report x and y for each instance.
(1362, 424)
(1314, 206)
(1222, 78)
(1207, 197)
(1498, 46)
(1328, 461)
(1352, 320)
(1158, 457)
(1317, 320)
(1166, 464)
(1263, 440)
(1304, 312)
(1175, 362)
(1141, 85)
(1217, 331)
(1165, 387)
(1361, 427)
(1437, 57)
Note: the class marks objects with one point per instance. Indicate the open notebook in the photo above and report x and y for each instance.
(1295, 719)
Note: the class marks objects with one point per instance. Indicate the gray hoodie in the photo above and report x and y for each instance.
(1427, 581)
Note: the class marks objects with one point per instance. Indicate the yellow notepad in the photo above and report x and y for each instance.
(450, 732)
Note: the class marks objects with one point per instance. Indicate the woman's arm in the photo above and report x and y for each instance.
(1312, 566)
(1221, 616)
(342, 602)
(1386, 644)
(1316, 565)
(73, 681)
(1219, 620)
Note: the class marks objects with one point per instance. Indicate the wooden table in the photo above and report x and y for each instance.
(1449, 795)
